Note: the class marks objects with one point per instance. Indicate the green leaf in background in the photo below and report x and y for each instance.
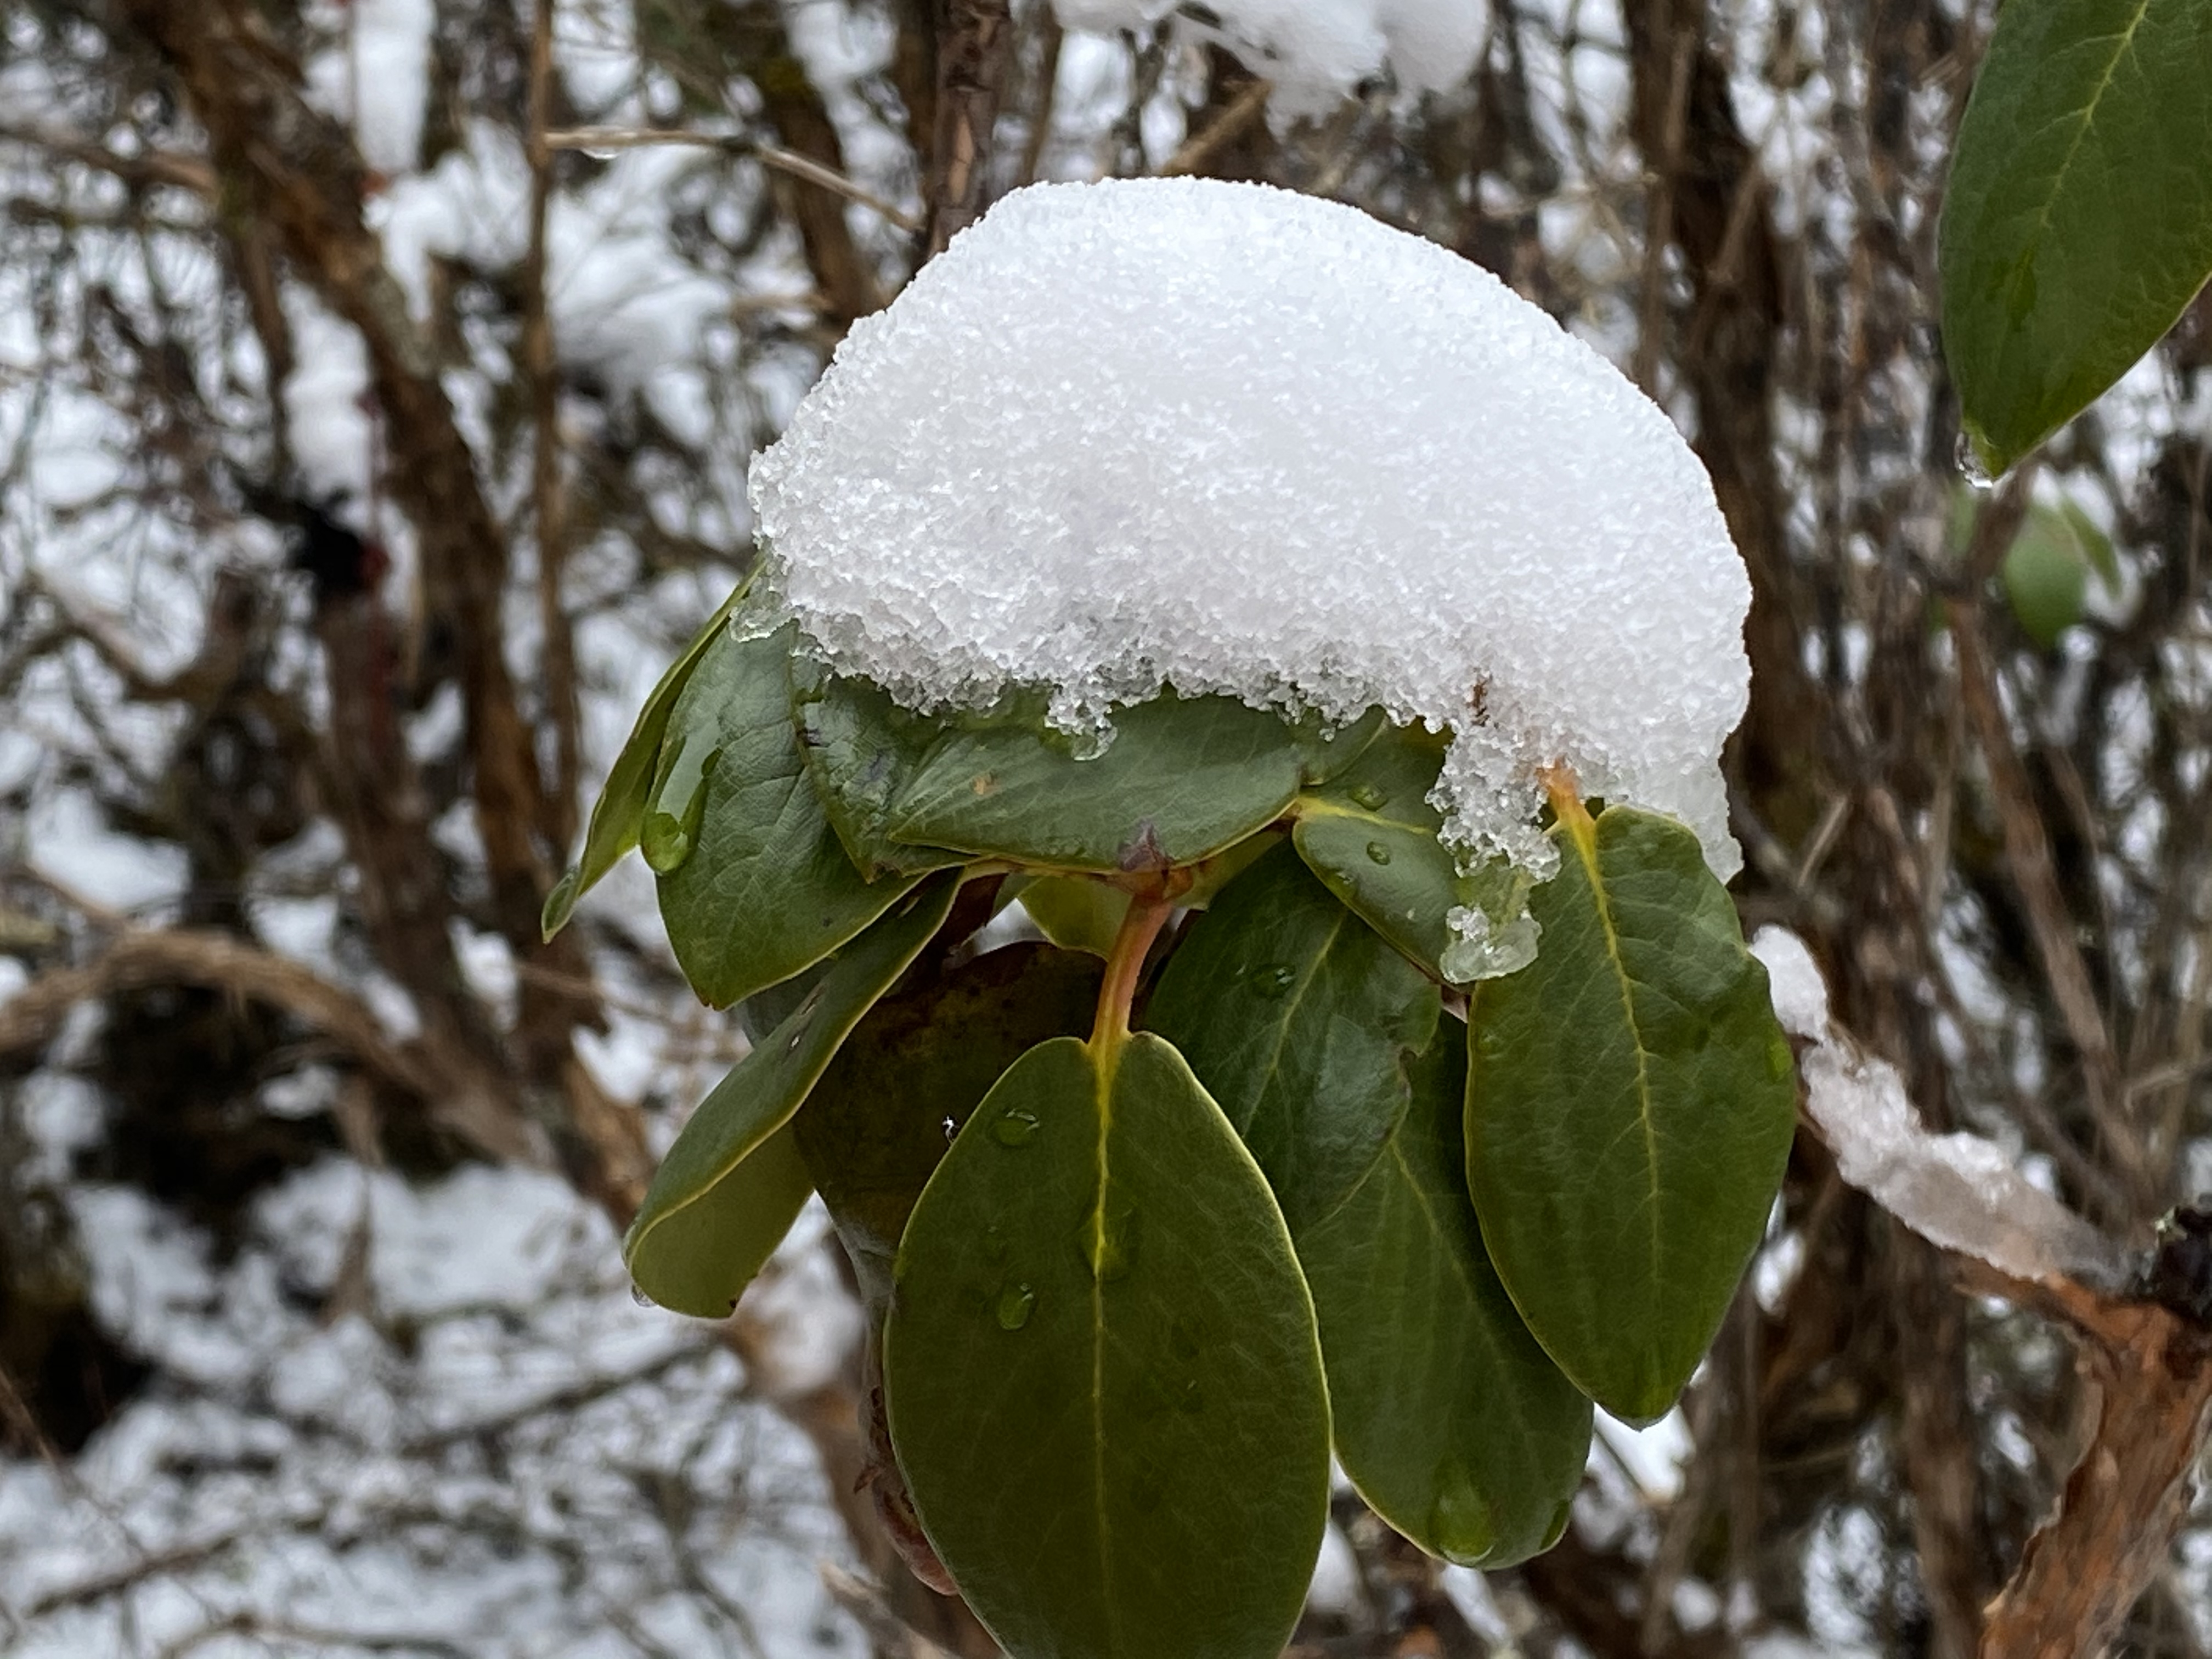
(860, 748)
(2077, 223)
(691, 1246)
(1299, 1020)
(619, 813)
(1629, 1105)
(1104, 1384)
(2047, 568)
(755, 885)
(1076, 912)
(1183, 778)
(1450, 1419)
(874, 1128)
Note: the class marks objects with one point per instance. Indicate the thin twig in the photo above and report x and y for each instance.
(770, 156)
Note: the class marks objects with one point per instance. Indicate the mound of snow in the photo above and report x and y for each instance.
(1233, 440)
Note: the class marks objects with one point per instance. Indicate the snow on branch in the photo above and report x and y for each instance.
(1959, 1192)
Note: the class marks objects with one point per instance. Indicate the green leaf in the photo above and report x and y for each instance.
(1630, 1106)
(1104, 1385)
(2047, 578)
(1183, 778)
(619, 812)
(874, 1128)
(1328, 753)
(1370, 835)
(754, 884)
(691, 1246)
(2077, 223)
(1076, 912)
(860, 749)
(1450, 1419)
(1299, 1020)
(700, 1261)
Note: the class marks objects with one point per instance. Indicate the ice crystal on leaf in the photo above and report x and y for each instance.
(1231, 440)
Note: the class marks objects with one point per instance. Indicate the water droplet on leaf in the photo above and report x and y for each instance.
(1109, 1243)
(1272, 980)
(1970, 465)
(1377, 852)
(1367, 795)
(1016, 1304)
(950, 1129)
(1461, 1521)
(671, 829)
(1015, 1127)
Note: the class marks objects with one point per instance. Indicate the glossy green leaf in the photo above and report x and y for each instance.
(1370, 835)
(1328, 753)
(860, 749)
(1076, 912)
(1450, 1419)
(1183, 778)
(690, 1245)
(876, 1126)
(1299, 1020)
(2077, 223)
(755, 885)
(619, 813)
(1630, 1105)
(701, 1260)
(1104, 1385)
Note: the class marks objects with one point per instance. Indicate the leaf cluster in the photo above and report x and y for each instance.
(1228, 1176)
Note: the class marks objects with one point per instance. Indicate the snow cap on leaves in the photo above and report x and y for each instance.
(1234, 440)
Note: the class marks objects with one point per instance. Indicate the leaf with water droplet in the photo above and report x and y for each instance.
(874, 1128)
(860, 749)
(618, 814)
(1299, 1019)
(1450, 1419)
(1015, 1127)
(1016, 1304)
(764, 888)
(2077, 222)
(1625, 1128)
(696, 1240)
(1086, 1511)
(1371, 837)
(1183, 778)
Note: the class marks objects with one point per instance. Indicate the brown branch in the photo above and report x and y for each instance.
(1236, 120)
(768, 155)
(549, 511)
(2109, 1535)
(975, 45)
(218, 961)
(2028, 862)
(148, 167)
(296, 172)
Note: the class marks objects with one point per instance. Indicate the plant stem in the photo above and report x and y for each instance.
(1123, 965)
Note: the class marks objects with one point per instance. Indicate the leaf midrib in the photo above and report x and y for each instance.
(1585, 845)
(2125, 41)
(1104, 1062)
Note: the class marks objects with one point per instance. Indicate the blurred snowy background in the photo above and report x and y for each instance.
(377, 379)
